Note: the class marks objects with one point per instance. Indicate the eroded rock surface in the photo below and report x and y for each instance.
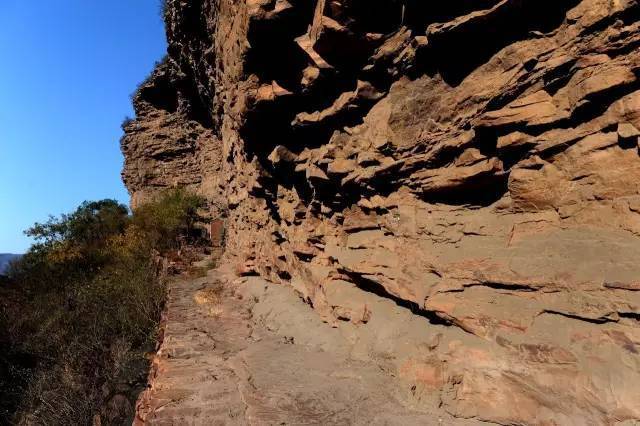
(473, 163)
(248, 352)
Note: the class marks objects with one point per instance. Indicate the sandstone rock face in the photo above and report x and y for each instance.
(475, 163)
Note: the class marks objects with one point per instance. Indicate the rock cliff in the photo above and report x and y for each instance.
(474, 162)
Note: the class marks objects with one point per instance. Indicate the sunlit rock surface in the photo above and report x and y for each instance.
(474, 163)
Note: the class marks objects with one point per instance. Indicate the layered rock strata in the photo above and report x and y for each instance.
(474, 162)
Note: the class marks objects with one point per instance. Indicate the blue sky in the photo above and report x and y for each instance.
(67, 69)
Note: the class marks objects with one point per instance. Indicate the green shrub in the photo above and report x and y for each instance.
(169, 219)
(79, 311)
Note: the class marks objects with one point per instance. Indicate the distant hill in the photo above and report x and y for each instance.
(5, 259)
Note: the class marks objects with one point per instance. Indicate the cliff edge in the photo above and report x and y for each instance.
(475, 163)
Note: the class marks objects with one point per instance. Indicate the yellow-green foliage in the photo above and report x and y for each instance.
(81, 308)
(168, 219)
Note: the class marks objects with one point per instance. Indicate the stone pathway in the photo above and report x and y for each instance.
(247, 352)
(193, 382)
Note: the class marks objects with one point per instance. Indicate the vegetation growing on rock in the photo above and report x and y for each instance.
(80, 310)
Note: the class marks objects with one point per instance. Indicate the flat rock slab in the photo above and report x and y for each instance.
(250, 352)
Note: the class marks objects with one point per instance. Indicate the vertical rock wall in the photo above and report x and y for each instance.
(476, 162)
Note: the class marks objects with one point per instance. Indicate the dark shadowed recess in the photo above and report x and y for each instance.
(169, 90)
(462, 49)
(379, 290)
(453, 53)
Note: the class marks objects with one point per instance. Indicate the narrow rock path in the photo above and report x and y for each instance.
(246, 352)
(194, 383)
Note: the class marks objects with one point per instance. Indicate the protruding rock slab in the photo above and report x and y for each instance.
(473, 164)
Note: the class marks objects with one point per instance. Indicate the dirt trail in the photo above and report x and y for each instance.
(248, 352)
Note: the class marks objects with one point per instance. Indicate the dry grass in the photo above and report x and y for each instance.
(79, 313)
(210, 298)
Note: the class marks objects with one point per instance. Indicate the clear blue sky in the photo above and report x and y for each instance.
(67, 69)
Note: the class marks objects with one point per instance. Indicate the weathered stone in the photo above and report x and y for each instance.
(316, 174)
(628, 135)
(341, 167)
(270, 92)
(532, 110)
(457, 195)
(282, 154)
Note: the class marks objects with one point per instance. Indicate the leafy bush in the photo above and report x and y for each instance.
(165, 223)
(79, 311)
